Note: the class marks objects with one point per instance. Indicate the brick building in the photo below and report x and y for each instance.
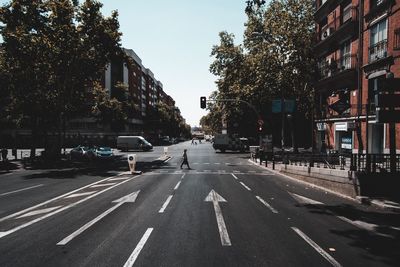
(357, 42)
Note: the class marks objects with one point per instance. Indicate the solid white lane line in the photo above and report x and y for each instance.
(266, 204)
(245, 186)
(20, 190)
(53, 199)
(234, 176)
(132, 258)
(81, 194)
(101, 185)
(177, 185)
(87, 225)
(37, 212)
(164, 206)
(62, 209)
(322, 252)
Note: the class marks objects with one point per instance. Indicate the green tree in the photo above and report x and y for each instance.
(54, 52)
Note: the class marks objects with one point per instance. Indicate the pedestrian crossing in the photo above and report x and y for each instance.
(217, 164)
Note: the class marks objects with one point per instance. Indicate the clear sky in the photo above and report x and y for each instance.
(174, 39)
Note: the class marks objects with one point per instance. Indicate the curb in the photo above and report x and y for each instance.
(360, 199)
(303, 182)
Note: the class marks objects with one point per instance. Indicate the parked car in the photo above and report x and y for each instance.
(81, 153)
(103, 152)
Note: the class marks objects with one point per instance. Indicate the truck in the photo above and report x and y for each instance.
(125, 143)
(225, 142)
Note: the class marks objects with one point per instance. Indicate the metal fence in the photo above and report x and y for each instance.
(371, 163)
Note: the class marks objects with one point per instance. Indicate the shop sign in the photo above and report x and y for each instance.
(341, 126)
(346, 142)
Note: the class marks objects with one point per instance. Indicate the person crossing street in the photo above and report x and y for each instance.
(185, 159)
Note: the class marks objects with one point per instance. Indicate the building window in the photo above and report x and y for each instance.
(396, 44)
(378, 41)
(345, 56)
(346, 13)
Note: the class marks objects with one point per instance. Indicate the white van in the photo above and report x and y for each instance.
(125, 143)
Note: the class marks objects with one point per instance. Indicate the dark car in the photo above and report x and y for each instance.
(103, 152)
(81, 153)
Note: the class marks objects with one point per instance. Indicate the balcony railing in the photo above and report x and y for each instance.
(334, 67)
(378, 51)
(347, 16)
(326, 113)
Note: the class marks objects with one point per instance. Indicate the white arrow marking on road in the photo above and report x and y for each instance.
(214, 197)
(37, 212)
(128, 198)
(81, 194)
(304, 200)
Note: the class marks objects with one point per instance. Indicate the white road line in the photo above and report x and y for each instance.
(19, 190)
(235, 171)
(266, 204)
(132, 258)
(215, 198)
(234, 176)
(217, 163)
(206, 170)
(87, 225)
(177, 185)
(168, 160)
(183, 176)
(322, 252)
(118, 178)
(37, 212)
(196, 163)
(62, 209)
(101, 185)
(251, 171)
(164, 206)
(53, 199)
(245, 186)
(81, 194)
(207, 163)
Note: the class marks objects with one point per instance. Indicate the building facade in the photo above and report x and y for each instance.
(357, 42)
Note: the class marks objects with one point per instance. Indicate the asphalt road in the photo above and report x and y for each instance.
(225, 211)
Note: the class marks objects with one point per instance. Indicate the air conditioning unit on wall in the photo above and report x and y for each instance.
(325, 33)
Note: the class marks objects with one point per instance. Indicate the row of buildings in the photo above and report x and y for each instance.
(358, 43)
(142, 91)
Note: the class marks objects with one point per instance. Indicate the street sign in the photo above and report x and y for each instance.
(340, 106)
(290, 106)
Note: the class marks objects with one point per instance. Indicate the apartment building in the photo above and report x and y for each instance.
(356, 43)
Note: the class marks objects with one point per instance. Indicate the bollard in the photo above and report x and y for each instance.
(273, 162)
(132, 164)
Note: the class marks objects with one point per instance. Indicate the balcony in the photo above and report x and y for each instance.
(342, 27)
(378, 7)
(338, 74)
(326, 8)
(378, 51)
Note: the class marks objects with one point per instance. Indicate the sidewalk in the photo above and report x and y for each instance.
(377, 202)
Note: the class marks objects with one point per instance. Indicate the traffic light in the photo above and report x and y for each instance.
(260, 128)
(203, 102)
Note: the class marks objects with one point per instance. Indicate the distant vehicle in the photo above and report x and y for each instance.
(225, 142)
(103, 152)
(198, 135)
(208, 137)
(125, 143)
(81, 153)
(165, 140)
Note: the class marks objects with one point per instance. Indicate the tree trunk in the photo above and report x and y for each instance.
(33, 138)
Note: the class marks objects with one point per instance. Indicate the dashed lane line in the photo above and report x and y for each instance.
(164, 206)
(265, 203)
(245, 186)
(314, 245)
(132, 258)
(234, 176)
(177, 185)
